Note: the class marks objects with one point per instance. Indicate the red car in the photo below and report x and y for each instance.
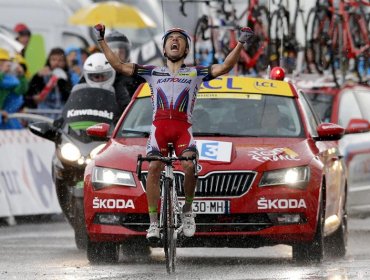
(269, 173)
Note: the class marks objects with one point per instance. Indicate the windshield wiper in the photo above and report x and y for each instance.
(221, 134)
(144, 133)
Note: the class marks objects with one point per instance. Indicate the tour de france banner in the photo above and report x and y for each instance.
(26, 186)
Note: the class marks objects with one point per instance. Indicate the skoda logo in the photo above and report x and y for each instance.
(199, 168)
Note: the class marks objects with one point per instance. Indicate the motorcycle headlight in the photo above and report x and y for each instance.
(70, 152)
(104, 177)
(296, 177)
(96, 150)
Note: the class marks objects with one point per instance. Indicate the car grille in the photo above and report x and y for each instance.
(215, 184)
(206, 222)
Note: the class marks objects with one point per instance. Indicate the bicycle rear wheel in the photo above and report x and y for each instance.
(320, 38)
(169, 240)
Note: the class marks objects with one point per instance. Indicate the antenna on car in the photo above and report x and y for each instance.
(164, 29)
(268, 69)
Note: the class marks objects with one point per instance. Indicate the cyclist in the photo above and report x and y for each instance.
(174, 89)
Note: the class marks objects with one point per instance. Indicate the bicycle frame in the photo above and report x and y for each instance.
(349, 48)
(170, 211)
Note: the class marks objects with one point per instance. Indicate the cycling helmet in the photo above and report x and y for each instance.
(179, 30)
(118, 42)
(98, 72)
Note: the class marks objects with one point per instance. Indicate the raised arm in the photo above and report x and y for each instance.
(232, 58)
(126, 69)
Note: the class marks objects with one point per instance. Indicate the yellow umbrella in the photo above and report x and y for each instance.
(112, 14)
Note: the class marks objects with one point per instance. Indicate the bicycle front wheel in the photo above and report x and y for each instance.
(169, 238)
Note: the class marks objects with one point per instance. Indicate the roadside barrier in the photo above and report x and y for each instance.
(26, 185)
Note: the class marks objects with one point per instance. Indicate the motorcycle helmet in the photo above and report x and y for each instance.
(98, 72)
(119, 44)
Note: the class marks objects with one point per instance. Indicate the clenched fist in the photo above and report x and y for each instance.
(246, 35)
(99, 31)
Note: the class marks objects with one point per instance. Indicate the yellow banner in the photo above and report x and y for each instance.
(236, 87)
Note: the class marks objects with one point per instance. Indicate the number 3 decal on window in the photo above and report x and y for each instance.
(214, 150)
(209, 150)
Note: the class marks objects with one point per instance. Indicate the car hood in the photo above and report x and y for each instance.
(246, 154)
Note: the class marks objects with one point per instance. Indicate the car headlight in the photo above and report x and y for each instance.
(70, 152)
(295, 177)
(103, 177)
(96, 150)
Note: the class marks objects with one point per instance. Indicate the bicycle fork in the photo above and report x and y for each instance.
(175, 206)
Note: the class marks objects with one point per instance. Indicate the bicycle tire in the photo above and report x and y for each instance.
(339, 61)
(308, 55)
(320, 39)
(261, 28)
(281, 26)
(360, 36)
(169, 245)
(200, 43)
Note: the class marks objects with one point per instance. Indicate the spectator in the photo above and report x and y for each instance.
(50, 87)
(13, 85)
(23, 37)
(73, 55)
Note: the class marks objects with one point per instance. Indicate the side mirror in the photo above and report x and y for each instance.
(329, 132)
(99, 130)
(45, 130)
(358, 126)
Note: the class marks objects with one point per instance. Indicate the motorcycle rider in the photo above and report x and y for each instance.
(99, 76)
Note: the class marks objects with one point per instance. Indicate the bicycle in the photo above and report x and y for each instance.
(284, 25)
(170, 210)
(217, 35)
(339, 39)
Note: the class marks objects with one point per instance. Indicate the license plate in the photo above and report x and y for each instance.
(209, 206)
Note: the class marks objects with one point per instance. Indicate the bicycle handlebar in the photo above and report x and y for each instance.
(166, 160)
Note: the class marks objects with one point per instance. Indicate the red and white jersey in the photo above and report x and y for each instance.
(173, 94)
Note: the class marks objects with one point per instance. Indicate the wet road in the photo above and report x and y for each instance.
(47, 251)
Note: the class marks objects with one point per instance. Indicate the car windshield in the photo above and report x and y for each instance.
(323, 105)
(256, 116)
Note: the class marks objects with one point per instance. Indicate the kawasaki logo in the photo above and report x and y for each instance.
(90, 112)
(264, 203)
(113, 203)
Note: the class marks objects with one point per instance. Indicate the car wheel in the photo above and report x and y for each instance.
(336, 243)
(314, 250)
(102, 252)
(79, 225)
